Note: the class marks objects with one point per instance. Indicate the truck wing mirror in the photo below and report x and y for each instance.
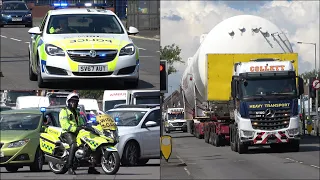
(301, 86)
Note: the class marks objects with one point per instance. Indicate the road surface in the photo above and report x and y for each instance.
(14, 64)
(149, 171)
(192, 158)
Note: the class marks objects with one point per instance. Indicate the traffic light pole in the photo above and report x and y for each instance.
(317, 112)
(308, 100)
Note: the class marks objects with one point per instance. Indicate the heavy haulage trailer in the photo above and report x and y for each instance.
(242, 86)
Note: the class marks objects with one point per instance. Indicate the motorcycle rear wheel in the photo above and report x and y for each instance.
(110, 162)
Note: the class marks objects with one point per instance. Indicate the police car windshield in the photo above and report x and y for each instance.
(19, 121)
(14, 6)
(253, 87)
(84, 23)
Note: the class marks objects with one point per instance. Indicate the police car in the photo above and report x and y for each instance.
(82, 43)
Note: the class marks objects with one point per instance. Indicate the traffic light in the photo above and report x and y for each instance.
(312, 91)
(163, 76)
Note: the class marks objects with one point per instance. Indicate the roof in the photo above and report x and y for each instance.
(28, 110)
(80, 11)
(135, 107)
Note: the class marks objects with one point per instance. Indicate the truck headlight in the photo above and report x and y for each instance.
(53, 50)
(294, 131)
(127, 50)
(247, 133)
(18, 143)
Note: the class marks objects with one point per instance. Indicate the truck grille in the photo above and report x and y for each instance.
(177, 124)
(83, 56)
(279, 120)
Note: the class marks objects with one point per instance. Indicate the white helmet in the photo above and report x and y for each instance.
(72, 95)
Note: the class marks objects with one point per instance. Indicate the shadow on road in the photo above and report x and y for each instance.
(13, 61)
(269, 150)
(26, 56)
(310, 140)
(25, 171)
(91, 84)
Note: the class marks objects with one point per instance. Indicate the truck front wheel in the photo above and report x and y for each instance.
(242, 148)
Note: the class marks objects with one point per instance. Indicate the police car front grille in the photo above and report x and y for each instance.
(280, 120)
(83, 56)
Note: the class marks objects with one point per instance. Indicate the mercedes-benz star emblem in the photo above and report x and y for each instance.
(269, 113)
(93, 53)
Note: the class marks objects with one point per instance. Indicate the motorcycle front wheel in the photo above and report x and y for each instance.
(57, 168)
(110, 162)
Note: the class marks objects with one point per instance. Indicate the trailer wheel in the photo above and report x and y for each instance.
(206, 135)
(242, 148)
(216, 140)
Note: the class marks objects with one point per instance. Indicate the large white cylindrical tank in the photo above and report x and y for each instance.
(243, 34)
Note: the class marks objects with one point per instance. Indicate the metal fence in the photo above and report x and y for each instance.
(144, 15)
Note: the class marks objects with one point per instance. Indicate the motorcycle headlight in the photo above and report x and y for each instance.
(18, 143)
(127, 50)
(53, 50)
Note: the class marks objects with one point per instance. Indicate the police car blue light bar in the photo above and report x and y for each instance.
(60, 4)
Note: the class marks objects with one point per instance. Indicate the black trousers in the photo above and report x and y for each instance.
(71, 140)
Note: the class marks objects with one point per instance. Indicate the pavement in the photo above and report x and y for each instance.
(149, 171)
(192, 158)
(14, 63)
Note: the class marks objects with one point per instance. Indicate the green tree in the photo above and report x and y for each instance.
(91, 94)
(309, 74)
(171, 53)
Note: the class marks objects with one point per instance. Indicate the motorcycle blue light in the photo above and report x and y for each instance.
(43, 109)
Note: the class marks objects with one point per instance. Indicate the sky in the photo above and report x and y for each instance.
(182, 23)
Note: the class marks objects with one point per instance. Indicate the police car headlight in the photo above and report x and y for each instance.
(127, 50)
(54, 50)
(18, 143)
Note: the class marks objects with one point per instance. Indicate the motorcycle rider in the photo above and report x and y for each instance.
(72, 122)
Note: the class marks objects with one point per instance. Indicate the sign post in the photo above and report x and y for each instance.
(316, 86)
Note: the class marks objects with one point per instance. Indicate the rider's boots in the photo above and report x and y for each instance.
(70, 160)
(92, 170)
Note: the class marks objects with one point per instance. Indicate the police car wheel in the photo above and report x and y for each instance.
(38, 162)
(32, 76)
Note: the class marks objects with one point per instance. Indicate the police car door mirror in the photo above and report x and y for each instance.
(133, 31)
(301, 86)
(35, 30)
(151, 124)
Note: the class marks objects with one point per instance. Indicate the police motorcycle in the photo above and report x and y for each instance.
(99, 138)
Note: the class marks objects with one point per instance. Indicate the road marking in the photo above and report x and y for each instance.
(188, 172)
(300, 162)
(140, 37)
(146, 56)
(15, 39)
(315, 166)
(158, 51)
(27, 42)
(142, 48)
(3, 36)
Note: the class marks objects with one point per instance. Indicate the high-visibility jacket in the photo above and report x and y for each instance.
(68, 121)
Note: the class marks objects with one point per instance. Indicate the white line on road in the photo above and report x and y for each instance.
(158, 51)
(142, 48)
(301, 162)
(146, 56)
(185, 168)
(27, 42)
(15, 39)
(315, 166)
(3, 36)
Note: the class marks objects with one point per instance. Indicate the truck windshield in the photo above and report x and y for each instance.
(175, 116)
(147, 100)
(265, 87)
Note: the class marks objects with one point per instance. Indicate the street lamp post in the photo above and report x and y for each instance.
(317, 76)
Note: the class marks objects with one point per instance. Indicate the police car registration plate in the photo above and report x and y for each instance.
(93, 68)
